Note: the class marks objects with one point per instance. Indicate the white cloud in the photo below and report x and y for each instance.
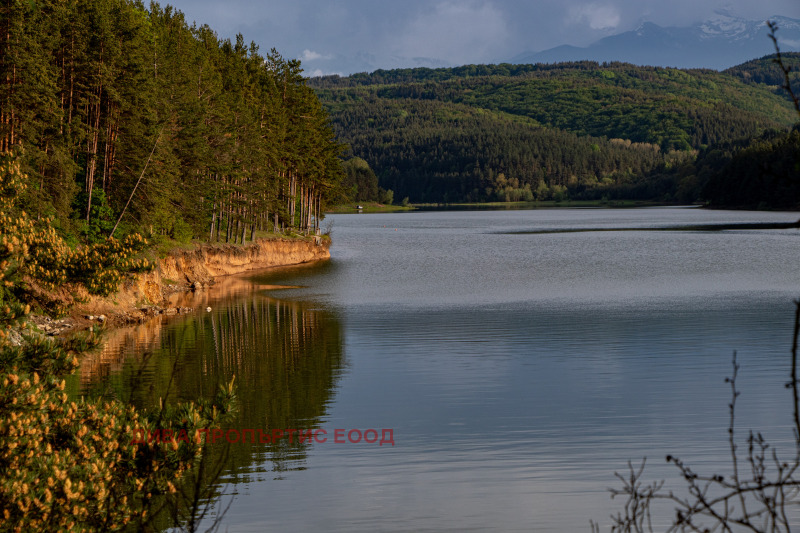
(597, 16)
(363, 35)
(310, 55)
(317, 72)
(789, 43)
(455, 32)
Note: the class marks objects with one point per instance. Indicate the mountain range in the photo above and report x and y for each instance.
(718, 43)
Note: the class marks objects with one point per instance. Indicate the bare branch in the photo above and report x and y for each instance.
(786, 69)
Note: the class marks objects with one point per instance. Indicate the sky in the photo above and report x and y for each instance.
(346, 36)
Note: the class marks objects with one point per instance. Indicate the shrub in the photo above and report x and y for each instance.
(76, 465)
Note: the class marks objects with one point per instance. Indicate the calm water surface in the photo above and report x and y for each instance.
(519, 363)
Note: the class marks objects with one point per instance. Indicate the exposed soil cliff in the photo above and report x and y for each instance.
(194, 269)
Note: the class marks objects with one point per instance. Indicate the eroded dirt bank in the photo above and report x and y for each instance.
(194, 269)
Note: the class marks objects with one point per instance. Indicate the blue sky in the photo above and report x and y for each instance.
(345, 36)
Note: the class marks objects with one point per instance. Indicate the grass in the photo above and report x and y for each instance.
(271, 235)
(161, 246)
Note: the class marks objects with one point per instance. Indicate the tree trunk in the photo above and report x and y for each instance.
(213, 221)
(93, 139)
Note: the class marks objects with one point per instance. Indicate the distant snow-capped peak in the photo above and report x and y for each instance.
(725, 25)
(785, 22)
(719, 43)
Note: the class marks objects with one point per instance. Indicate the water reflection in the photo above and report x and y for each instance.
(286, 356)
(517, 371)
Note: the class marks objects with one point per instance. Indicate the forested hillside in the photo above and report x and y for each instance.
(115, 109)
(508, 132)
(765, 71)
(443, 152)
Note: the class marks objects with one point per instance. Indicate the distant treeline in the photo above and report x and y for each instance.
(577, 130)
(763, 172)
(434, 152)
(114, 107)
(766, 71)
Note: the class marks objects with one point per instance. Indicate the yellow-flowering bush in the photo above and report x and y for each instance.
(76, 465)
(35, 256)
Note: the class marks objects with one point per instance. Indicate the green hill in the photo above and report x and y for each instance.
(765, 71)
(443, 152)
(572, 128)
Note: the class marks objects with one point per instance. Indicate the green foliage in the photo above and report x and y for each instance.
(765, 71)
(443, 152)
(446, 134)
(181, 231)
(182, 133)
(101, 218)
(763, 172)
(361, 183)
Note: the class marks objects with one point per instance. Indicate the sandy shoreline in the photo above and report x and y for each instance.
(146, 295)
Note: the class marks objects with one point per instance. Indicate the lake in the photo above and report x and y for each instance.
(519, 357)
